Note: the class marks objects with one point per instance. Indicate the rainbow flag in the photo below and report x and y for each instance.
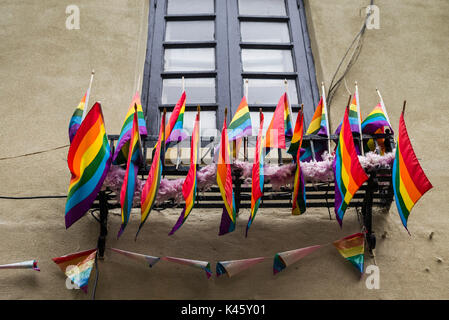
(78, 266)
(317, 126)
(151, 187)
(77, 118)
(352, 248)
(174, 130)
(224, 181)
(348, 172)
(409, 180)
(88, 160)
(299, 187)
(121, 151)
(129, 181)
(284, 259)
(233, 267)
(240, 125)
(353, 117)
(375, 120)
(257, 176)
(189, 186)
(279, 127)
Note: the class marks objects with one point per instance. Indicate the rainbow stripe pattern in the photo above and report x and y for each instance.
(224, 181)
(121, 151)
(257, 176)
(299, 187)
(375, 120)
(88, 160)
(353, 117)
(80, 266)
(352, 248)
(129, 181)
(409, 180)
(279, 127)
(284, 259)
(240, 125)
(348, 173)
(174, 130)
(317, 126)
(151, 187)
(189, 186)
(77, 118)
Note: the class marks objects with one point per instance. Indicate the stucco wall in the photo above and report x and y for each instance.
(44, 72)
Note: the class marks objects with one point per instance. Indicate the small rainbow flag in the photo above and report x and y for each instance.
(348, 173)
(299, 187)
(240, 125)
(317, 126)
(375, 120)
(352, 248)
(284, 259)
(77, 118)
(78, 266)
(353, 117)
(204, 265)
(132, 167)
(280, 126)
(174, 130)
(88, 160)
(224, 181)
(150, 261)
(30, 264)
(189, 186)
(121, 151)
(151, 187)
(233, 267)
(409, 180)
(257, 176)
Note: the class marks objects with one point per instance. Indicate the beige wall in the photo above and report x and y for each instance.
(44, 71)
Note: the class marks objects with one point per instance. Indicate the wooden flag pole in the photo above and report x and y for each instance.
(359, 117)
(403, 106)
(323, 95)
(86, 106)
(246, 89)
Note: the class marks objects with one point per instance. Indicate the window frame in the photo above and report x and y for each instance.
(228, 71)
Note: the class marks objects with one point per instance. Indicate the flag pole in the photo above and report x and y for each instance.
(86, 106)
(323, 95)
(359, 117)
(289, 106)
(245, 139)
(403, 106)
(198, 109)
(178, 146)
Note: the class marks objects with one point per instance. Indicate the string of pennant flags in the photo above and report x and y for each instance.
(79, 265)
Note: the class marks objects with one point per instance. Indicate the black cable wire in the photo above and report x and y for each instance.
(34, 197)
(94, 290)
(34, 153)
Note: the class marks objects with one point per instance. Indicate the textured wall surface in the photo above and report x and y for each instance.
(44, 71)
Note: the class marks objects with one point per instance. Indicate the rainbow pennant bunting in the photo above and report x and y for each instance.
(77, 118)
(151, 187)
(299, 187)
(224, 181)
(257, 176)
(409, 180)
(284, 259)
(88, 160)
(129, 181)
(317, 126)
(121, 151)
(30, 264)
(189, 186)
(204, 265)
(174, 130)
(233, 267)
(240, 125)
(352, 248)
(147, 260)
(348, 173)
(78, 266)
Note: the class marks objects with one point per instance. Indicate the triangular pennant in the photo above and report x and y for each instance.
(148, 260)
(31, 264)
(232, 267)
(284, 259)
(77, 266)
(193, 263)
(352, 248)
